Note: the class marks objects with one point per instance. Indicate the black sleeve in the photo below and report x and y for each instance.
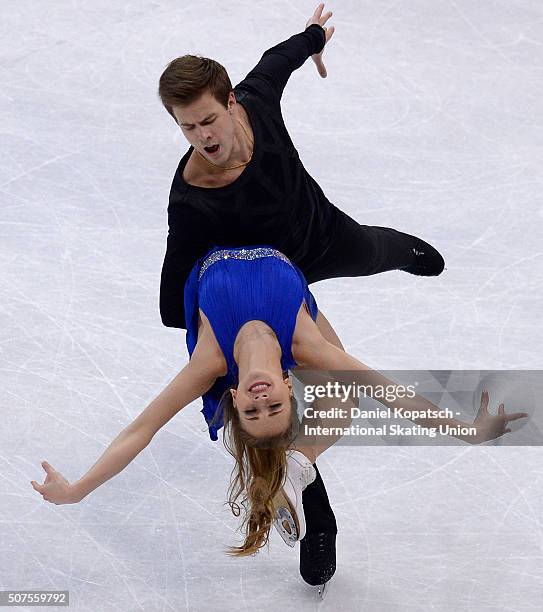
(270, 75)
(187, 241)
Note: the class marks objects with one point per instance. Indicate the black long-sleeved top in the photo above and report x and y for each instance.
(274, 201)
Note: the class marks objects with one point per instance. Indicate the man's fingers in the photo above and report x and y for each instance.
(317, 59)
(318, 11)
(321, 68)
(329, 33)
(326, 17)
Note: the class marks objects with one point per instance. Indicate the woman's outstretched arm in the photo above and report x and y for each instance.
(303, 443)
(191, 382)
(321, 355)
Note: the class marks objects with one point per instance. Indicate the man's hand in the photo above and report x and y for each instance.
(321, 19)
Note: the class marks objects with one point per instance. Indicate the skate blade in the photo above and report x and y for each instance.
(322, 589)
(285, 520)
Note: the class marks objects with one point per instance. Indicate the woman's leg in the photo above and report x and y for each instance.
(363, 250)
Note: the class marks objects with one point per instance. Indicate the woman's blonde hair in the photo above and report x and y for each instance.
(258, 474)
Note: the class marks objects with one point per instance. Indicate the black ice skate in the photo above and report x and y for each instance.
(318, 559)
(426, 261)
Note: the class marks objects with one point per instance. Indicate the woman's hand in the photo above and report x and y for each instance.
(491, 426)
(321, 19)
(56, 489)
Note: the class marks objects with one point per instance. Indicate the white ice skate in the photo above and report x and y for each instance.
(289, 513)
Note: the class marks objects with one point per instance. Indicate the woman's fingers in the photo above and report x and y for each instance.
(51, 472)
(510, 417)
(495, 425)
(40, 489)
(52, 492)
(483, 408)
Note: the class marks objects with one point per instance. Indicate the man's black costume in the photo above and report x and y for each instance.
(276, 202)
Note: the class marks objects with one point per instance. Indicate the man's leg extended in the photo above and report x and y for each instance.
(363, 250)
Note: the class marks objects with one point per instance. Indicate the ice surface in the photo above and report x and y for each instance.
(430, 121)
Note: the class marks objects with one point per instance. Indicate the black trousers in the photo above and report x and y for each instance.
(360, 250)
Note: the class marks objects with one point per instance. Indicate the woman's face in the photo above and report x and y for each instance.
(263, 404)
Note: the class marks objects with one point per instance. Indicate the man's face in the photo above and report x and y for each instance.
(207, 123)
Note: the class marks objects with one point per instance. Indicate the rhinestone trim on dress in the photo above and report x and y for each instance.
(255, 253)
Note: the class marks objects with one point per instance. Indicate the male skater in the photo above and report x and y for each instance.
(242, 183)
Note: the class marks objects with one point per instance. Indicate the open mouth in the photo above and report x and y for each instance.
(212, 149)
(258, 387)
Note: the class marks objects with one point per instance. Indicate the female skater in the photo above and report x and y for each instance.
(250, 318)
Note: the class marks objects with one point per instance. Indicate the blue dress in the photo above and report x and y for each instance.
(235, 285)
